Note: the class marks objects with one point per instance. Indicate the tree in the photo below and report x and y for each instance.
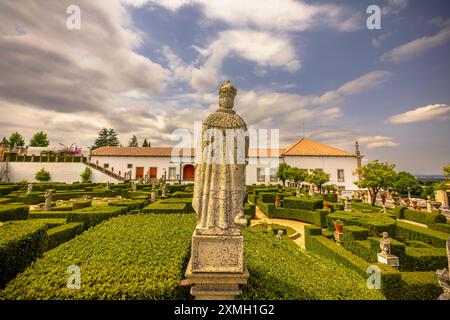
(282, 172)
(403, 180)
(446, 171)
(16, 139)
(86, 175)
(106, 138)
(40, 139)
(42, 175)
(376, 176)
(318, 178)
(146, 144)
(297, 175)
(133, 141)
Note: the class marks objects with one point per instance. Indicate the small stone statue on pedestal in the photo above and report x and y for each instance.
(134, 185)
(277, 201)
(280, 234)
(385, 255)
(153, 196)
(48, 200)
(347, 206)
(298, 191)
(29, 188)
(163, 194)
(107, 185)
(443, 277)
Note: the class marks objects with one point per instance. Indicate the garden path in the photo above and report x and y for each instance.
(298, 226)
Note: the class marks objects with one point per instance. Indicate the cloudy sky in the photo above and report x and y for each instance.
(307, 68)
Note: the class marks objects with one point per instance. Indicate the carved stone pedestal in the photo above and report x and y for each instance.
(388, 259)
(339, 237)
(216, 268)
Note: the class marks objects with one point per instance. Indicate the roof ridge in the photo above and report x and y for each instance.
(293, 145)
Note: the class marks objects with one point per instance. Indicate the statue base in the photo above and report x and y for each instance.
(388, 259)
(215, 285)
(216, 268)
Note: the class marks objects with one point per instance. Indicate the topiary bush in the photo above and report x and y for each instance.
(42, 175)
(310, 204)
(63, 233)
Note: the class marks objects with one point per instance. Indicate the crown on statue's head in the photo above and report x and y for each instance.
(227, 88)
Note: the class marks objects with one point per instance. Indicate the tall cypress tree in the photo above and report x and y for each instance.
(145, 144)
(133, 141)
(106, 137)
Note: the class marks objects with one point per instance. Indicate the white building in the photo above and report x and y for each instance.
(157, 162)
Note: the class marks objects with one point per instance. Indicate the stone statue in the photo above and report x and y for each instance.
(298, 191)
(277, 201)
(134, 185)
(153, 196)
(163, 193)
(29, 188)
(347, 206)
(219, 187)
(217, 268)
(48, 199)
(385, 244)
(107, 185)
(280, 234)
(443, 277)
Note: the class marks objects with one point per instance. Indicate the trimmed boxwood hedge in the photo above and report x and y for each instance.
(281, 270)
(305, 203)
(424, 259)
(81, 204)
(180, 194)
(160, 207)
(441, 227)
(419, 285)
(318, 217)
(128, 257)
(21, 242)
(13, 211)
(407, 231)
(92, 216)
(129, 204)
(424, 217)
(63, 233)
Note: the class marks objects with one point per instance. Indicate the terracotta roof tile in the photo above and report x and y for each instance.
(306, 147)
(137, 151)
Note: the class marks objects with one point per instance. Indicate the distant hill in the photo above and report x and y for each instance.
(430, 177)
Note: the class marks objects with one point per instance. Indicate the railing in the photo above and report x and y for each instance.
(23, 158)
(105, 171)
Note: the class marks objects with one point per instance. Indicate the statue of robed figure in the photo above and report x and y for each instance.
(219, 188)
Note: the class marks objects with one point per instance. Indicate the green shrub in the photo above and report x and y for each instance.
(86, 175)
(377, 223)
(51, 222)
(81, 204)
(399, 212)
(310, 204)
(363, 206)
(48, 214)
(424, 259)
(7, 189)
(407, 231)
(179, 194)
(129, 204)
(94, 215)
(280, 270)
(159, 207)
(419, 286)
(42, 175)
(129, 257)
(355, 233)
(317, 217)
(330, 197)
(13, 211)
(424, 217)
(21, 242)
(250, 209)
(441, 227)
(63, 233)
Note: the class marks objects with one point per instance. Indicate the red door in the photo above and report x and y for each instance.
(188, 172)
(139, 172)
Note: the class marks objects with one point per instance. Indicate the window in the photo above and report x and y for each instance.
(273, 175)
(172, 173)
(130, 166)
(106, 165)
(153, 172)
(340, 175)
(260, 175)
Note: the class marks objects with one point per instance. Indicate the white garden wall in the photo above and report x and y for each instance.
(60, 172)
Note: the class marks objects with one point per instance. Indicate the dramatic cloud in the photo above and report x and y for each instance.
(417, 47)
(394, 7)
(52, 67)
(280, 15)
(422, 114)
